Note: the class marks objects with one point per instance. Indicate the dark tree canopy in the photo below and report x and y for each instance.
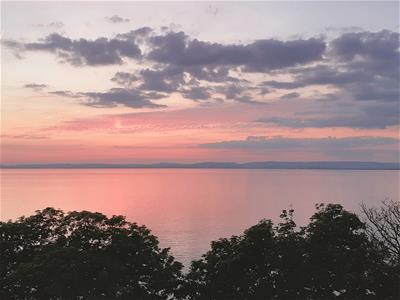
(331, 258)
(83, 255)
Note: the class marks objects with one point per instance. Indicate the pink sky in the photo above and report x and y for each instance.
(191, 92)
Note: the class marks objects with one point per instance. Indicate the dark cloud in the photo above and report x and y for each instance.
(319, 75)
(379, 49)
(119, 96)
(124, 78)
(211, 74)
(117, 19)
(139, 34)
(370, 116)
(197, 93)
(236, 92)
(354, 122)
(162, 80)
(231, 91)
(290, 96)
(317, 144)
(364, 65)
(176, 48)
(102, 51)
(67, 94)
(35, 86)
(128, 97)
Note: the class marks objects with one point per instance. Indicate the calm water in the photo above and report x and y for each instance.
(188, 208)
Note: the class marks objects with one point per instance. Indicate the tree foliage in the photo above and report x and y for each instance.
(83, 255)
(331, 258)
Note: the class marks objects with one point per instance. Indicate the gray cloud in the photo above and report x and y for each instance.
(317, 144)
(117, 19)
(367, 117)
(102, 51)
(290, 96)
(354, 122)
(119, 96)
(363, 64)
(379, 49)
(53, 25)
(35, 86)
(140, 34)
(197, 93)
(162, 80)
(128, 97)
(67, 94)
(124, 78)
(211, 74)
(176, 48)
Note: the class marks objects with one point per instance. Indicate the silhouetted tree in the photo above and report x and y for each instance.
(340, 260)
(290, 277)
(83, 255)
(331, 258)
(383, 226)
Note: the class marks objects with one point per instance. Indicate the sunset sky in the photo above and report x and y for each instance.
(190, 82)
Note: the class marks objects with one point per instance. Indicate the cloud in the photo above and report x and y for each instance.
(117, 19)
(128, 97)
(120, 96)
(67, 94)
(35, 86)
(375, 48)
(162, 80)
(355, 67)
(177, 48)
(123, 78)
(290, 96)
(363, 64)
(197, 93)
(28, 136)
(315, 144)
(101, 51)
(52, 25)
(370, 116)
(211, 73)
(139, 34)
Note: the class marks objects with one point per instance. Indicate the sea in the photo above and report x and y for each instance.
(188, 208)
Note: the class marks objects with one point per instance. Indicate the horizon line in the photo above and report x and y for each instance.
(333, 165)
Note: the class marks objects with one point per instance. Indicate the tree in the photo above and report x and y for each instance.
(236, 268)
(341, 262)
(383, 226)
(83, 255)
(330, 258)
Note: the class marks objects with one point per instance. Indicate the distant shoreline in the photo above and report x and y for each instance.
(334, 165)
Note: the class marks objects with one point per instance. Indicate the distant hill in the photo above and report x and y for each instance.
(328, 165)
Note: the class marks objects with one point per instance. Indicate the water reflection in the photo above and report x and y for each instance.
(186, 208)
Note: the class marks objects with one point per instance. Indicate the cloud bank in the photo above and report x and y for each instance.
(359, 69)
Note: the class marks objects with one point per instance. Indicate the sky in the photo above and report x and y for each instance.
(149, 82)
